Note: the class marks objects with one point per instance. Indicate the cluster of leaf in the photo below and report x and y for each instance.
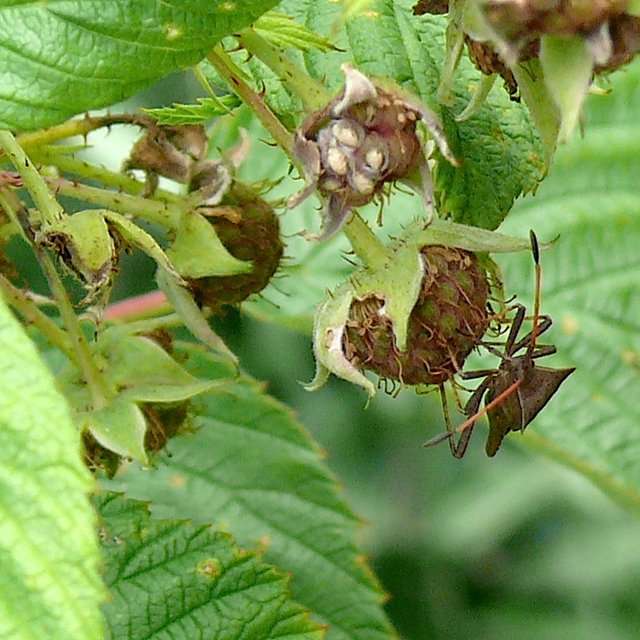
(190, 549)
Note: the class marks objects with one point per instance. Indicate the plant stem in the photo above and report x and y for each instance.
(153, 324)
(52, 156)
(62, 131)
(365, 244)
(101, 394)
(227, 68)
(11, 204)
(163, 213)
(80, 127)
(48, 207)
(51, 213)
(312, 94)
(32, 315)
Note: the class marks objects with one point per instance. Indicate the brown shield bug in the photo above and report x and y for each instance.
(518, 389)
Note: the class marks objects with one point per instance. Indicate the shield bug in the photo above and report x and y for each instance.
(518, 389)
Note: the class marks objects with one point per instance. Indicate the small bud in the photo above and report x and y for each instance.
(168, 151)
(348, 133)
(361, 183)
(375, 159)
(336, 161)
(331, 184)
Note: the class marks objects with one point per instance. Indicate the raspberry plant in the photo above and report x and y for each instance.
(150, 487)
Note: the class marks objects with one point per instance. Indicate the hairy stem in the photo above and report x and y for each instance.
(234, 76)
(163, 213)
(48, 207)
(101, 394)
(312, 94)
(80, 127)
(51, 212)
(71, 164)
(62, 131)
(365, 244)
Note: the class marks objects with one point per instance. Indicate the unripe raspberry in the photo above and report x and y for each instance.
(250, 232)
(447, 322)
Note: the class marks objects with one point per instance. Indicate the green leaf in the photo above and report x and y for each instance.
(120, 427)
(216, 590)
(251, 469)
(138, 370)
(206, 109)
(284, 32)
(567, 64)
(49, 585)
(591, 277)
(143, 371)
(197, 252)
(97, 55)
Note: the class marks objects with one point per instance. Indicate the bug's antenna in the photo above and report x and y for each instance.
(535, 249)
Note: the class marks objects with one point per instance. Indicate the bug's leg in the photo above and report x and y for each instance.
(516, 325)
(448, 434)
(543, 350)
(457, 448)
(473, 375)
(471, 409)
(544, 323)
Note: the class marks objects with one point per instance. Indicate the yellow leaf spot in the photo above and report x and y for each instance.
(177, 481)
(570, 325)
(264, 542)
(209, 568)
(632, 359)
(172, 32)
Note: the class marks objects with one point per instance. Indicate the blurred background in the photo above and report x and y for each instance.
(510, 547)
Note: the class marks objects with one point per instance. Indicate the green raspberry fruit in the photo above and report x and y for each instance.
(447, 322)
(250, 232)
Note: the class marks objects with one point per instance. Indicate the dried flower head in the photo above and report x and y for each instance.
(359, 142)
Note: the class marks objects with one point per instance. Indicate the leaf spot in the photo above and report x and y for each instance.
(570, 325)
(173, 32)
(177, 481)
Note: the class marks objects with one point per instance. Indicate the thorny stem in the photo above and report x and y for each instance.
(63, 131)
(48, 207)
(100, 392)
(163, 213)
(32, 315)
(80, 127)
(52, 156)
(312, 94)
(51, 212)
(11, 204)
(454, 47)
(225, 66)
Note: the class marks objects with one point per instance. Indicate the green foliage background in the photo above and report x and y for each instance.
(516, 546)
